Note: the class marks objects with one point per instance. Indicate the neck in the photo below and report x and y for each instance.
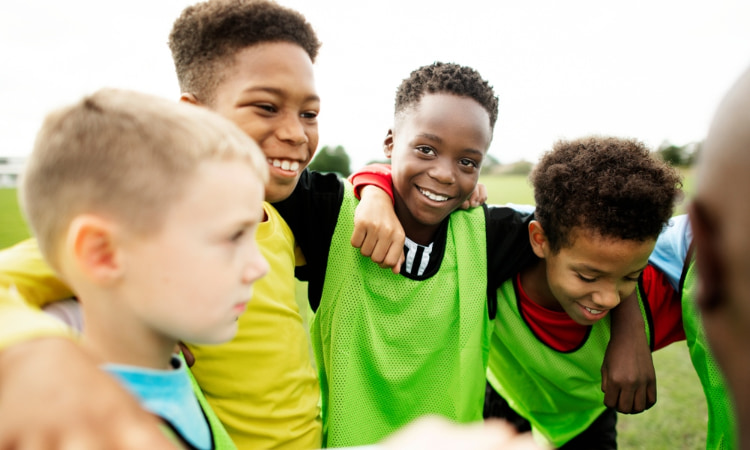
(120, 338)
(534, 283)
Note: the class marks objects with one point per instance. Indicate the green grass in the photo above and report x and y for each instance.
(12, 226)
(678, 420)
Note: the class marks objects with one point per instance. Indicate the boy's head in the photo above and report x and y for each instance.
(251, 61)
(601, 202)
(720, 220)
(443, 122)
(141, 195)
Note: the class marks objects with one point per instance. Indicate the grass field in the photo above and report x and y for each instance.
(678, 421)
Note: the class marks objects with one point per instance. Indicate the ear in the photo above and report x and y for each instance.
(388, 144)
(707, 259)
(92, 243)
(537, 238)
(189, 97)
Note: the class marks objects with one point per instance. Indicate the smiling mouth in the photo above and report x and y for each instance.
(284, 164)
(593, 311)
(433, 196)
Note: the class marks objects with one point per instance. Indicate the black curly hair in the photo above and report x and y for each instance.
(610, 185)
(207, 35)
(446, 78)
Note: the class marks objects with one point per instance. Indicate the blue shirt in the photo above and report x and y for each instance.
(169, 395)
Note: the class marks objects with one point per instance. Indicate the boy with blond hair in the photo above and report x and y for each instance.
(148, 210)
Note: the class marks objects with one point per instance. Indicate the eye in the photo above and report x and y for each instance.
(466, 162)
(267, 107)
(585, 279)
(632, 279)
(238, 235)
(309, 114)
(425, 149)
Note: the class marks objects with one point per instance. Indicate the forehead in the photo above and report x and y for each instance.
(277, 65)
(440, 114)
(590, 247)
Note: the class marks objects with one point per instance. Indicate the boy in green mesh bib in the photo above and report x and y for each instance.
(601, 203)
(392, 347)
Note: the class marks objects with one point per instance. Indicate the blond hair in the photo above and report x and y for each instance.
(123, 155)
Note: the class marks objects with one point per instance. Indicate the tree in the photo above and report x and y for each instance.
(679, 156)
(332, 159)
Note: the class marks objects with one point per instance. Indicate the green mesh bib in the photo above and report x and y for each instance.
(221, 437)
(721, 432)
(558, 393)
(390, 349)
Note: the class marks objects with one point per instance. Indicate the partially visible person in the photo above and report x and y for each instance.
(148, 210)
(601, 203)
(674, 254)
(720, 220)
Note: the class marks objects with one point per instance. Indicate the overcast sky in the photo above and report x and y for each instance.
(654, 70)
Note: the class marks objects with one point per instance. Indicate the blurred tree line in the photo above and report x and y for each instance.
(679, 155)
(335, 159)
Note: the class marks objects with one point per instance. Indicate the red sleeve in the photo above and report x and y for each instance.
(666, 307)
(373, 175)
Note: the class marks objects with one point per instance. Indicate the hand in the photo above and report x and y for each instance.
(54, 396)
(377, 231)
(437, 433)
(477, 197)
(628, 375)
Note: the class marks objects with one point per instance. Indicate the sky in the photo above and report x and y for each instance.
(653, 70)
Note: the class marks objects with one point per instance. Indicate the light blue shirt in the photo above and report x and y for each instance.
(169, 395)
(672, 248)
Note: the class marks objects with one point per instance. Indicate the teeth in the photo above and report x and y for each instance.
(432, 196)
(593, 311)
(285, 164)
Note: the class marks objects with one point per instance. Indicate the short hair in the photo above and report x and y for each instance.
(609, 185)
(206, 37)
(123, 155)
(447, 78)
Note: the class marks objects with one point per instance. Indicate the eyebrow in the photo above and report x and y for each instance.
(590, 269)
(276, 91)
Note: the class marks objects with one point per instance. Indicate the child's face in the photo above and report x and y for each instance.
(192, 279)
(591, 276)
(269, 92)
(436, 151)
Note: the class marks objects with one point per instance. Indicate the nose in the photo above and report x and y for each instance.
(442, 171)
(292, 130)
(255, 266)
(606, 298)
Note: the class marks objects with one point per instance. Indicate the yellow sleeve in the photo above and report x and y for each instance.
(23, 267)
(26, 284)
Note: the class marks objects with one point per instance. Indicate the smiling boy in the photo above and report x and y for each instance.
(601, 203)
(392, 347)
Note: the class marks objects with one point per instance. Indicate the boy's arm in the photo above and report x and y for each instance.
(377, 231)
(628, 375)
(54, 396)
(26, 283)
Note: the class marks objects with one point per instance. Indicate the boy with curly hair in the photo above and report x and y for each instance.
(601, 203)
(392, 347)
(161, 253)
